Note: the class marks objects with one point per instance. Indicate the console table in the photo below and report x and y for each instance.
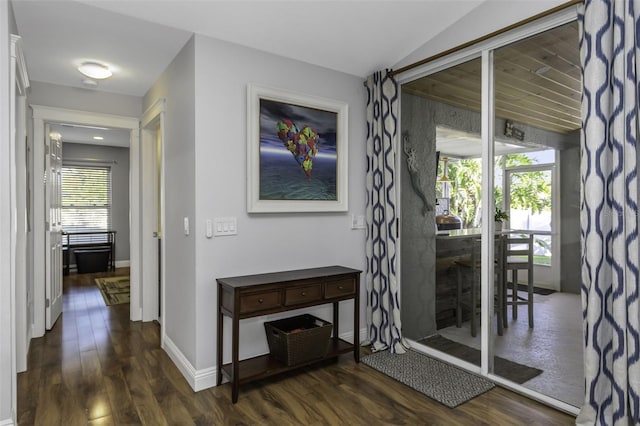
(256, 295)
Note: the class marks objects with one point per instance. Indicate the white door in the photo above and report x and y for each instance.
(520, 180)
(53, 228)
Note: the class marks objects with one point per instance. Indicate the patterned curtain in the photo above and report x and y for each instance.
(383, 298)
(609, 36)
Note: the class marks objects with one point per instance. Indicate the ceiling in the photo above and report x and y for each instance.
(139, 38)
(537, 82)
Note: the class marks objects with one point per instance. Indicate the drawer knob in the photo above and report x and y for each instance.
(304, 293)
(340, 287)
(260, 300)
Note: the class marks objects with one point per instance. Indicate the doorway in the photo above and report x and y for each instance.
(152, 213)
(42, 117)
(536, 218)
(518, 98)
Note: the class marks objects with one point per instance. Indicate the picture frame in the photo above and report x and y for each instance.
(297, 152)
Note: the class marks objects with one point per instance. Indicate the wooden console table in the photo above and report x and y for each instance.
(256, 295)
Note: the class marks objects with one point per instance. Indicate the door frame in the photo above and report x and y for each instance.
(554, 274)
(151, 123)
(19, 80)
(41, 116)
(440, 63)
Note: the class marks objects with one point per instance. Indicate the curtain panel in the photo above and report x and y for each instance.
(609, 35)
(383, 298)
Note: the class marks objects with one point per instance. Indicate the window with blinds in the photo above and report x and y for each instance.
(86, 201)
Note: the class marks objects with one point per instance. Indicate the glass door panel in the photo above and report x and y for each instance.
(442, 251)
(537, 125)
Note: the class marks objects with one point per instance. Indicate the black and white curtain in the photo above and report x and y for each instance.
(383, 297)
(609, 40)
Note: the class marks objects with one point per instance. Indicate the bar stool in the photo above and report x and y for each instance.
(472, 263)
(518, 252)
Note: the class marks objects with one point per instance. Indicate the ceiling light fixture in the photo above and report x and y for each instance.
(98, 138)
(95, 70)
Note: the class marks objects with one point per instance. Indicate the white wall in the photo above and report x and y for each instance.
(205, 177)
(265, 242)
(177, 86)
(488, 17)
(7, 379)
(54, 95)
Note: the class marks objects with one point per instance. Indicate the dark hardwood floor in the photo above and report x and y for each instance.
(96, 367)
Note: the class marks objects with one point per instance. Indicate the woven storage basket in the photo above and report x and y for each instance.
(298, 339)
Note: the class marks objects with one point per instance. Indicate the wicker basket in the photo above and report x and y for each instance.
(298, 339)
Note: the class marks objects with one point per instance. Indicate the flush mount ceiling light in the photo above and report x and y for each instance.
(98, 138)
(95, 70)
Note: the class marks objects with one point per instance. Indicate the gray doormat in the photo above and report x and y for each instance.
(445, 383)
(517, 373)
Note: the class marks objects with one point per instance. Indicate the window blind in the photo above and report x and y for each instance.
(86, 201)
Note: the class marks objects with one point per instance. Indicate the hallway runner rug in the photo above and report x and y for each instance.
(115, 290)
(438, 380)
(517, 373)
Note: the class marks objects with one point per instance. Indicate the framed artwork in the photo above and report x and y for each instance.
(297, 151)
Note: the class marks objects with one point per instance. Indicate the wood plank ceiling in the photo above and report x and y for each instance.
(537, 82)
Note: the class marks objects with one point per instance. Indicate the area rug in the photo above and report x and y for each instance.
(115, 290)
(510, 370)
(440, 381)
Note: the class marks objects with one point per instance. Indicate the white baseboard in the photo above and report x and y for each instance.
(197, 379)
(348, 336)
(206, 378)
(7, 422)
(123, 263)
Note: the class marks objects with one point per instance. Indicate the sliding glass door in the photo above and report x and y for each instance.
(490, 275)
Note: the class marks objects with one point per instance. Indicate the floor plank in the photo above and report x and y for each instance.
(96, 367)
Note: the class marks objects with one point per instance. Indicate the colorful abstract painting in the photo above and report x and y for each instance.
(298, 155)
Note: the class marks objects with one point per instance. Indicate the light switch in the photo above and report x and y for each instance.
(186, 226)
(357, 222)
(225, 226)
(208, 228)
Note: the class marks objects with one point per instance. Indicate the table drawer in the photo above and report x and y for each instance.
(260, 301)
(303, 294)
(339, 288)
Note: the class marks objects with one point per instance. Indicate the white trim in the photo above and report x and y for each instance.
(152, 113)
(21, 76)
(488, 246)
(197, 379)
(20, 82)
(41, 116)
(152, 122)
(206, 378)
(135, 277)
(7, 422)
(123, 263)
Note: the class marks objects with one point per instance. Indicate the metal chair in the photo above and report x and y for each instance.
(518, 252)
(472, 263)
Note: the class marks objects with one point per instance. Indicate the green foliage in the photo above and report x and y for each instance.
(500, 215)
(530, 190)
